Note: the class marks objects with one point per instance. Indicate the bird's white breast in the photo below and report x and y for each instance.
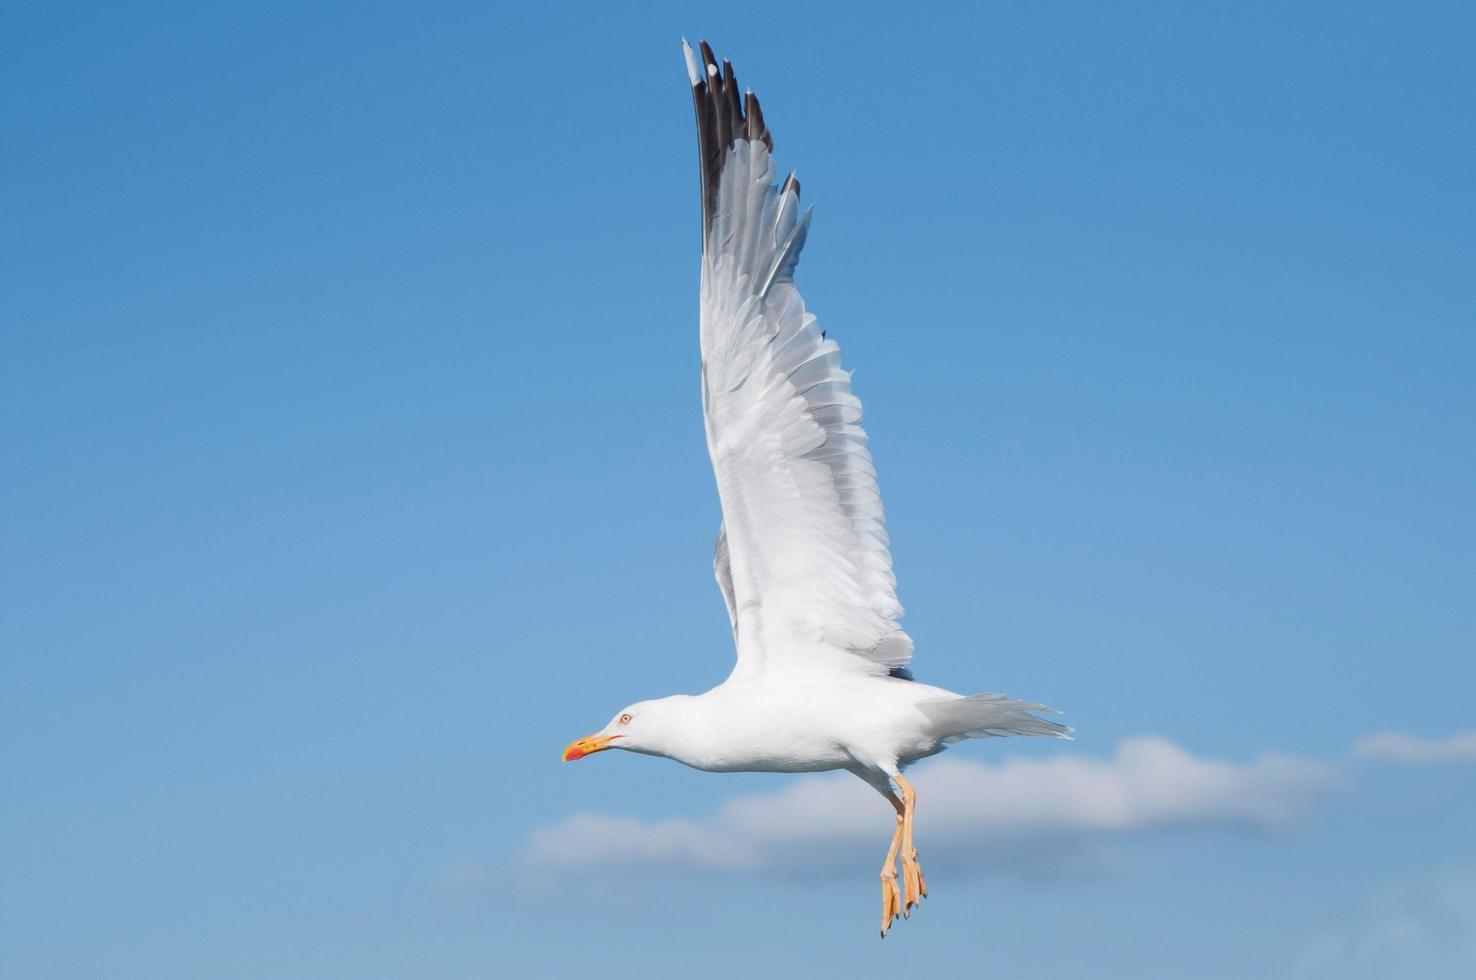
(754, 726)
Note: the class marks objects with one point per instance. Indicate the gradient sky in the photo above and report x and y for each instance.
(353, 465)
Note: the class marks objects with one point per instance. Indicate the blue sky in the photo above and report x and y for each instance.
(354, 465)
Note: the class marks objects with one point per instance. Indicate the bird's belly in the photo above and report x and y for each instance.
(808, 729)
(784, 749)
(777, 763)
(775, 752)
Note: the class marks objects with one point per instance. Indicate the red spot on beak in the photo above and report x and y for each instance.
(588, 746)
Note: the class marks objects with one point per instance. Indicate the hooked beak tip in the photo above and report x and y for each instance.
(588, 746)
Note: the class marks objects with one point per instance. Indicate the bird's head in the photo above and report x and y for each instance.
(642, 727)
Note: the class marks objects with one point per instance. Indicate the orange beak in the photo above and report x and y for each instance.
(588, 746)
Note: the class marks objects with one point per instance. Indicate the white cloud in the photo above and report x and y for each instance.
(1410, 750)
(1022, 814)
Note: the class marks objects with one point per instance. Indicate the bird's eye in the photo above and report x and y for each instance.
(625, 718)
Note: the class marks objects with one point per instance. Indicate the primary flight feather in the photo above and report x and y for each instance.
(802, 557)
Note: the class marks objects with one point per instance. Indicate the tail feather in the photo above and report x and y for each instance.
(990, 715)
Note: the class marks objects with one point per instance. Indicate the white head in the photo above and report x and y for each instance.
(646, 726)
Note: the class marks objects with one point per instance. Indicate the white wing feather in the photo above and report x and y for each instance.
(808, 571)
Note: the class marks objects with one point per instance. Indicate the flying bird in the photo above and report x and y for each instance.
(802, 557)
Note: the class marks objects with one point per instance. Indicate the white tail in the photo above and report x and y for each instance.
(989, 715)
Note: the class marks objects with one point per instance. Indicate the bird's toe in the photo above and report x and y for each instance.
(891, 902)
(915, 887)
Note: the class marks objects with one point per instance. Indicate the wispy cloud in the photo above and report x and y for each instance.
(1026, 815)
(1410, 750)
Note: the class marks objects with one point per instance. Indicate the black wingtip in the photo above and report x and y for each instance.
(724, 115)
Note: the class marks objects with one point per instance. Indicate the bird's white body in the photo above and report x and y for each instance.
(804, 725)
(802, 559)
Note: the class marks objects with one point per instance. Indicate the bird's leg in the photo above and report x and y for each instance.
(891, 901)
(915, 887)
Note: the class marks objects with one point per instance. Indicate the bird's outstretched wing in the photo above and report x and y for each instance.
(802, 557)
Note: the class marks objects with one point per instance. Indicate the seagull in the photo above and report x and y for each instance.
(802, 558)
